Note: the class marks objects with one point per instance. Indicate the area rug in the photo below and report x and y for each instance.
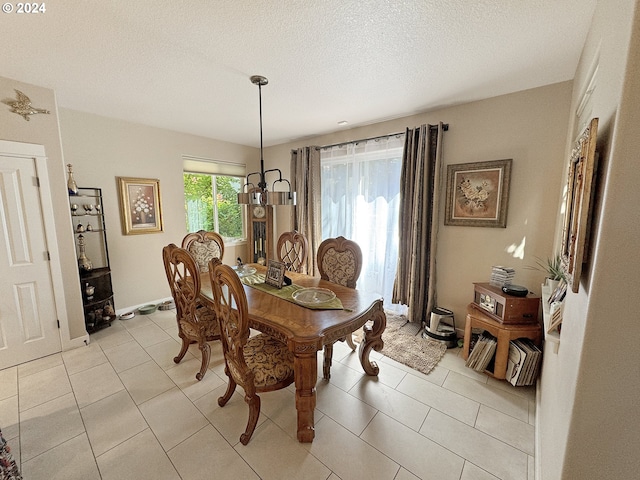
(404, 343)
(8, 468)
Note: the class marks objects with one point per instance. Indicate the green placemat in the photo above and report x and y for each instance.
(257, 281)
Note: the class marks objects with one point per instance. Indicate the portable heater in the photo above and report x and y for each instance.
(441, 326)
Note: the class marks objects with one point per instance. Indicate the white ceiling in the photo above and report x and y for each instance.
(185, 65)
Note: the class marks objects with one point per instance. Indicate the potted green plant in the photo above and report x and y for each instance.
(552, 268)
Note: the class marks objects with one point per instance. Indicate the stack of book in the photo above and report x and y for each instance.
(501, 276)
(524, 361)
(483, 352)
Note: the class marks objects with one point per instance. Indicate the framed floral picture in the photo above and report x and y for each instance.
(140, 206)
(477, 194)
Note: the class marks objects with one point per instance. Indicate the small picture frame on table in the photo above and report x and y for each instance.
(275, 274)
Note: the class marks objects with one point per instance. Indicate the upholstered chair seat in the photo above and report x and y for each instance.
(269, 359)
(207, 324)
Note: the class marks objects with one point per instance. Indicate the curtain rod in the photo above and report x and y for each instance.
(445, 127)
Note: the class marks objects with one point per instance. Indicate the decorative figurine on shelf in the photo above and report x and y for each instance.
(80, 228)
(89, 290)
(109, 312)
(72, 186)
(83, 262)
(89, 227)
(91, 320)
(74, 208)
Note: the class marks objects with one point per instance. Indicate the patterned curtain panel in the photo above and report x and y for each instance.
(306, 215)
(415, 282)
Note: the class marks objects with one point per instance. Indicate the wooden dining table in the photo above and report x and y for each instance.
(306, 330)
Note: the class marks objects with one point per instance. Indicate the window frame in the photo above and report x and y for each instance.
(216, 220)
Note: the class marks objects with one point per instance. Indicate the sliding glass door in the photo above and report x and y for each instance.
(360, 201)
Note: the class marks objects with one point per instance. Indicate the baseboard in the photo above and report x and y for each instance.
(134, 308)
(80, 341)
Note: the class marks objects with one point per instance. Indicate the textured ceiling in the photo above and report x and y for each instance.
(185, 65)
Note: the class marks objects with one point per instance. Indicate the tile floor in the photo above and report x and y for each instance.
(120, 408)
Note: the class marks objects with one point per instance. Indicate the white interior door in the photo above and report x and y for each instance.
(28, 323)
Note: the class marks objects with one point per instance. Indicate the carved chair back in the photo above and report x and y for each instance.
(292, 250)
(340, 261)
(184, 281)
(196, 323)
(233, 316)
(203, 246)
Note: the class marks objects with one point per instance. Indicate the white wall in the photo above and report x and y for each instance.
(589, 414)
(102, 149)
(531, 128)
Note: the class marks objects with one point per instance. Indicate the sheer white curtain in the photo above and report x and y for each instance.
(360, 201)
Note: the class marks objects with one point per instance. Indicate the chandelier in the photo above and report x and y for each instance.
(259, 194)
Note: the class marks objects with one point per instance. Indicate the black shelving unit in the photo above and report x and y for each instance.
(87, 215)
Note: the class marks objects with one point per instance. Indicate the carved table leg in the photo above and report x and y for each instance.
(372, 340)
(306, 375)
(326, 365)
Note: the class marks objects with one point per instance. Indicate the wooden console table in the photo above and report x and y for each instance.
(503, 332)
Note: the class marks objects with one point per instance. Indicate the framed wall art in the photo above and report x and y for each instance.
(477, 194)
(582, 164)
(140, 206)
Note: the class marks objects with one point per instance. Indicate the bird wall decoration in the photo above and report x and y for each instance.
(23, 107)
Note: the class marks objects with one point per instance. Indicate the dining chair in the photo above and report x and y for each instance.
(339, 261)
(292, 250)
(195, 322)
(259, 363)
(203, 246)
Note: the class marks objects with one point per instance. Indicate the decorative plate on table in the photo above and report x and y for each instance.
(245, 270)
(313, 296)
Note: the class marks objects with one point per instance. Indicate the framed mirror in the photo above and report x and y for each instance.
(580, 179)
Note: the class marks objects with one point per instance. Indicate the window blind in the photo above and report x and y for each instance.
(213, 167)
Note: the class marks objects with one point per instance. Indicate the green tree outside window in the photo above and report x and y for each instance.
(202, 213)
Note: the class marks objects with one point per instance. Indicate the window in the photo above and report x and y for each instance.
(360, 201)
(211, 198)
